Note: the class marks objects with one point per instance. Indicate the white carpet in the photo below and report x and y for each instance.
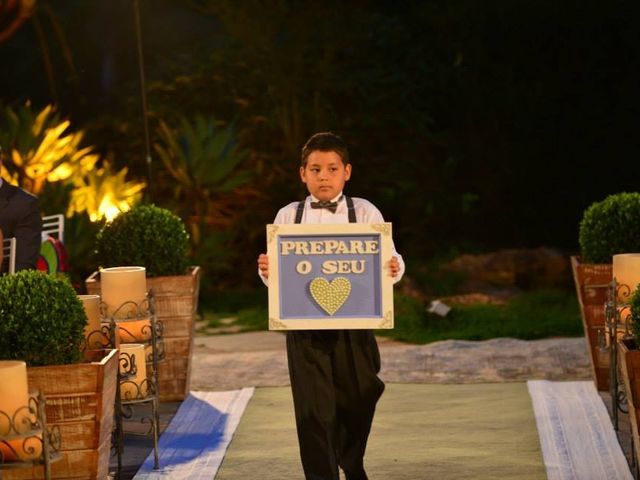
(577, 437)
(194, 444)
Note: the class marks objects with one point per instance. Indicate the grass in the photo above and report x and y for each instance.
(245, 310)
(537, 314)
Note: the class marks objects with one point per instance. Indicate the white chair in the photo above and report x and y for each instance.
(53, 225)
(9, 254)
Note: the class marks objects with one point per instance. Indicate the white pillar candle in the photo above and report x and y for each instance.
(135, 387)
(123, 284)
(91, 304)
(14, 402)
(626, 271)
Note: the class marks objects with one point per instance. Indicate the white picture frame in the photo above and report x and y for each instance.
(325, 277)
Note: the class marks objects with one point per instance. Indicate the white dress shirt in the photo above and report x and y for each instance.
(366, 212)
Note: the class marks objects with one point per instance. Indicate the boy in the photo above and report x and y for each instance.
(333, 373)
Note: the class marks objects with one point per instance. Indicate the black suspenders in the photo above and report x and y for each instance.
(352, 210)
(350, 207)
(299, 212)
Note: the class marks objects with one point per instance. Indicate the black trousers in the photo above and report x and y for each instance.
(335, 390)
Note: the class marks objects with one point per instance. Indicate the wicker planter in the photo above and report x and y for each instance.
(591, 281)
(79, 400)
(629, 368)
(176, 306)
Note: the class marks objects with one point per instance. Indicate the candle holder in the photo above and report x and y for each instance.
(98, 339)
(125, 324)
(617, 326)
(25, 442)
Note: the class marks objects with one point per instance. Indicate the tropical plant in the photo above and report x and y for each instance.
(146, 235)
(103, 194)
(204, 160)
(42, 319)
(609, 227)
(41, 149)
(42, 152)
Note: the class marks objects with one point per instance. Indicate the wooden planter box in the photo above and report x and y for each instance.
(629, 366)
(79, 401)
(590, 280)
(176, 307)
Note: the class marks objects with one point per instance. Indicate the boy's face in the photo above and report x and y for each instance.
(325, 174)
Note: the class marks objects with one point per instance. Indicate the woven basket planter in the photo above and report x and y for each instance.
(79, 401)
(591, 281)
(176, 306)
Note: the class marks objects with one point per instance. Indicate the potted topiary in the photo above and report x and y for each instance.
(156, 239)
(608, 227)
(43, 324)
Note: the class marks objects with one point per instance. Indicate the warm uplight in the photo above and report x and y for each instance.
(104, 194)
(108, 209)
(63, 172)
(48, 150)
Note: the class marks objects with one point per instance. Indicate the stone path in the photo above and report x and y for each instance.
(226, 362)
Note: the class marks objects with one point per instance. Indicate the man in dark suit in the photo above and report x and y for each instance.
(20, 217)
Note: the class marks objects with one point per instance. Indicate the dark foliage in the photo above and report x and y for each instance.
(147, 236)
(609, 227)
(42, 319)
(472, 125)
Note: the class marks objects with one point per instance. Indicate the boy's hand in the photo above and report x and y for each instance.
(263, 265)
(394, 267)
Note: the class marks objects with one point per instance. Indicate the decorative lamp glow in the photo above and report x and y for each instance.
(91, 304)
(123, 284)
(135, 387)
(14, 401)
(626, 271)
(134, 331)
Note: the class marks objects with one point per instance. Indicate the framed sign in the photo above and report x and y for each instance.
(330, 276)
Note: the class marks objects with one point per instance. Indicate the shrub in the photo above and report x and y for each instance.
(609, 227)
(42, 319)
(147, 236)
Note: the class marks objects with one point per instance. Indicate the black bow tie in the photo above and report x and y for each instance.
(331, 206)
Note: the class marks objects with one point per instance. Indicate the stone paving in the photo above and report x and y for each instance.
(226, 362)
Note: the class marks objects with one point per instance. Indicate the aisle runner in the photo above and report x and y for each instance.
(194, 443)
(577, 437)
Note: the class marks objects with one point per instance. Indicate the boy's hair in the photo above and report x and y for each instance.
(325, 142)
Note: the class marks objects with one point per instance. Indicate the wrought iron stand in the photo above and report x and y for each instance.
(617, 327)
(146, 391)
(23, 433)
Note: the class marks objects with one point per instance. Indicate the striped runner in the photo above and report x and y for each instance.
(194, 444)
(576, 435)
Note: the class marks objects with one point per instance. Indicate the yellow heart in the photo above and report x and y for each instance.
(330, 295)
